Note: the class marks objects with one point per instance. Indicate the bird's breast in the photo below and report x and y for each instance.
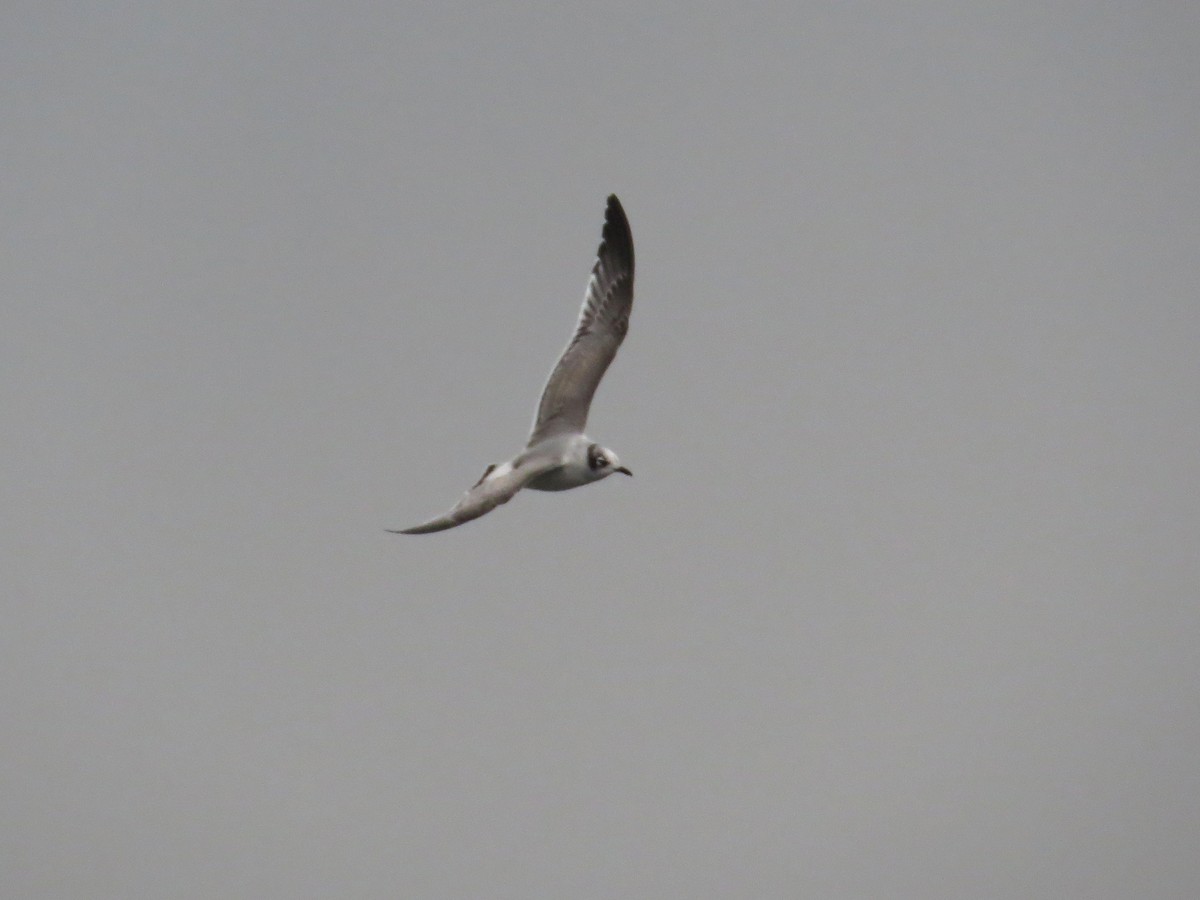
(561, 479)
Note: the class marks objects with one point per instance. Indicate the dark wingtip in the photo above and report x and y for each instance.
(614, 211)
(617, 236)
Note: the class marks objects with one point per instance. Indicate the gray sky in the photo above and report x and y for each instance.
(904, 600)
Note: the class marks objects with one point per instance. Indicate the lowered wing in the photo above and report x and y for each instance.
(490, 491)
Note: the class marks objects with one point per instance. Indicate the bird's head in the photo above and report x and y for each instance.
(602, 462)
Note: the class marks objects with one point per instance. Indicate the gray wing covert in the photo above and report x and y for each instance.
(603, 321)
(485, 496)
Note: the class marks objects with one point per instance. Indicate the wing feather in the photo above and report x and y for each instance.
(486, 495)
(603, 321)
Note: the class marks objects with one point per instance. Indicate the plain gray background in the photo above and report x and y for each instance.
(903, 601)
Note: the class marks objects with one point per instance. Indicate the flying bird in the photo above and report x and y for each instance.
(558, 455)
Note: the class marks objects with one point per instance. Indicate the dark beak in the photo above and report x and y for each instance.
(623, 471)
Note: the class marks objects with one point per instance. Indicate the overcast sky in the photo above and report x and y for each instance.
(903, 601)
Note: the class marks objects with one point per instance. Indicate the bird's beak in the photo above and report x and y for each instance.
(623, 471)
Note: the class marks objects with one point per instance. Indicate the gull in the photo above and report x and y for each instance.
(558, 455)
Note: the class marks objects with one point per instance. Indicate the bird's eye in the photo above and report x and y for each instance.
(602, 461)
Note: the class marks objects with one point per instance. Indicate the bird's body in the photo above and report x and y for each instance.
(573, 469)
(558, 455)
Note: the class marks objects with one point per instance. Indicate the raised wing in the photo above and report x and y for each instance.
(603, 322)
(489, 492)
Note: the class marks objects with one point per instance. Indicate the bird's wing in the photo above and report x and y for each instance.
(486, 495)
(603, 321)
